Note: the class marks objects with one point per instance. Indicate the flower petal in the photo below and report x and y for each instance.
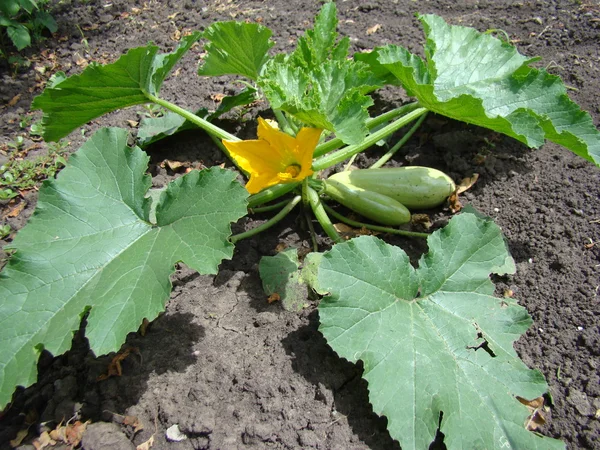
(282, 144)
(261, 181)
(306, 141)
(253, 157)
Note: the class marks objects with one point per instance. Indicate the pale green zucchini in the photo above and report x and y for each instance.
(415, 187)
(372, 205)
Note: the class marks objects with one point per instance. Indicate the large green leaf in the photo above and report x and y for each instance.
(434, 340)
(330, 96)
(280, 276)
(90, 246)
(236, 48)
(318, 85)
(319, 43)
(476, 78)
(101, 89)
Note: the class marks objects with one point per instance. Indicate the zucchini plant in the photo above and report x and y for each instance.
(102, 242)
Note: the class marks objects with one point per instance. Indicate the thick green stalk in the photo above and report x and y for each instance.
(368, 226)
(268, 208)
(385, 158)
(284, 124)
(274, 220)
(270, 194)
(336, 143)
(202, 123)
(341, 155)
(315, 203)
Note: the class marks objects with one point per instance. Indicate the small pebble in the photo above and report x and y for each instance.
(174, 434)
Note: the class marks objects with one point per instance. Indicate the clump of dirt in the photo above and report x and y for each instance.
(233, 371)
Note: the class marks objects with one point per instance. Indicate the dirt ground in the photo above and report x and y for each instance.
(233, 371)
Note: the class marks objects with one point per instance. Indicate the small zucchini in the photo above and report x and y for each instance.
(374, 206)
(415, 187)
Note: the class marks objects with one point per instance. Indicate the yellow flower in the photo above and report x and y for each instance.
(275, 157)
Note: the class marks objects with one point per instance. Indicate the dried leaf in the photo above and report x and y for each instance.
(16, 210)
(175, 165)
(454, 203)
(274, 297)
(70, 434)
(79, 60)
(217, 97)
(422, 220)
(134, 422)
(467, 183)
(22, 434)
(114, 368)
(373, 29)
(536, 419)
(43, 441)
(347, 232)
(146, 445)
(13, 101)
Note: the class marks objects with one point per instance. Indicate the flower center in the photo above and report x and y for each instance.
(293, 170)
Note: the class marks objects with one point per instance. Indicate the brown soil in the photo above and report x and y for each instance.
(234, 371)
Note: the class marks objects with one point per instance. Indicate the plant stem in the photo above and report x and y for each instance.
(385, 158)
(283, 122)
(350, 162)
(270, 194)
(315, 203)
(336, 143)
(268, 208)
(341, 155)
(311, 229)
(368, 226)
(202, 123)
(275, 219)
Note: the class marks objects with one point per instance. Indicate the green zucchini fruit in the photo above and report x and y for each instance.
(372, 205)
(415, 187)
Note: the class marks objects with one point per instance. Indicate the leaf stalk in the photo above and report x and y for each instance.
(317, 207)
(270, 194)
(268, 224)
(392, 151)
(368, 226)
(341, 155)
(199, 121)
(336, 143)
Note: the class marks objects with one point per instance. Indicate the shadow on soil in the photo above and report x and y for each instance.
(72, 382)
(319, 364)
